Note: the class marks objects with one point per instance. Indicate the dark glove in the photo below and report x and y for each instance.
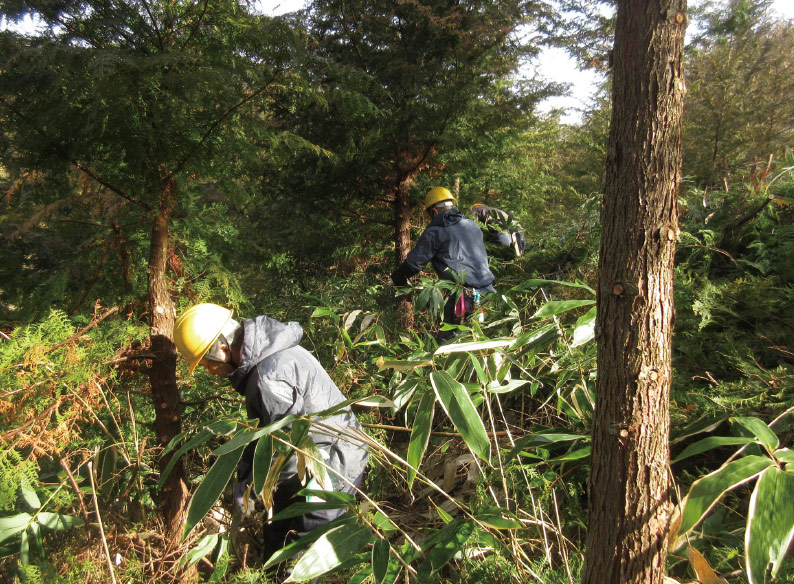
(399, 277)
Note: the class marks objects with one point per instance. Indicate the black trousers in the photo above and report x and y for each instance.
(449, 312)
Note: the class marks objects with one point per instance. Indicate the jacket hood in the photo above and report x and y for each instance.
(447, 218)
(262, 336)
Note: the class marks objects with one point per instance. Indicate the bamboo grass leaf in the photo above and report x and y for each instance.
(420, 434)
(211, 488)
(706, 491)
(380, 560)
(760, 430)
(457, 404)
(711, 442)
(330, 550)
(770, 523)
(263, 457)
(555, 307)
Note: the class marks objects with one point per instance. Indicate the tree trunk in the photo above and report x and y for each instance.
(402, 244)
(162, 375)
(629, 492)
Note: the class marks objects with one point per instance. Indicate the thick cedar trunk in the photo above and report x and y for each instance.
(162, 375)
(402, 244)
(629, 493)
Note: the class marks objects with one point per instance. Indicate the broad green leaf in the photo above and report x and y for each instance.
(446, 543)
(211, 488)
(341, 498)
(247, 436)
(203, 548)
(770, 523)
(495, 387)
(29, 495)
(538, 439)
(322, 311)
(555, 307)
(474, 346)
(422, 299)
(477, 366)
(24, 549)
(351, 318)
(36, 538)
(263, 458)
(707, 490)
(785, 455)
(712, 442)
(498, 518)
(537, 283)
(383, 523)
(536, 340)
(584, 331)
(301, 544)
(404, 392)
(399, 365)
(58, 522)
(457, 403)
(760, 430)
(330, 550)
(10, 526)
(304, 507)
(706, 424)
(380, 560)
(221, 561)
(420, 434)
(362, 575)
(437, 301)
(375, 401)
(217, 428)
(569, 456)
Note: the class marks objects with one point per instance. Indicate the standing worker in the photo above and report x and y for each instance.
(455, 246)
(500, 228)
(263, 361)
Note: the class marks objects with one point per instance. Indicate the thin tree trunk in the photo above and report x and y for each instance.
(162, 375)
(402, 243)
(629, 493)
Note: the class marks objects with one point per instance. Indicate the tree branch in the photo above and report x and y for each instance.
(220, 119)
(109, 186)
(79, 333)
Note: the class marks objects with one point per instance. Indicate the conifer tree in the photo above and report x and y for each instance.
(399, 75)
(629, 489)
(129, 119)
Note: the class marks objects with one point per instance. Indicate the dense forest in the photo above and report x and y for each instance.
(158, 154)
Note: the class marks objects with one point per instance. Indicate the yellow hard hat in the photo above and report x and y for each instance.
(197, 329)
(436, 195)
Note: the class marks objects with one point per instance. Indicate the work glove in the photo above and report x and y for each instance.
(399, 277)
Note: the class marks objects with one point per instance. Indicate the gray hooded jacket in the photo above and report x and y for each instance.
(278, 378)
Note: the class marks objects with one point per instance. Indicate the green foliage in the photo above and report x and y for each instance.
(14, 472)
(288, 142)
(739, 56)
(770, 515)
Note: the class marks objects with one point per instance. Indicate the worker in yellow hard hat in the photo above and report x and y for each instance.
(454, 244)
(262, 359)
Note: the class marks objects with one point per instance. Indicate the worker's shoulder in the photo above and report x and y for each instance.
(286, 358)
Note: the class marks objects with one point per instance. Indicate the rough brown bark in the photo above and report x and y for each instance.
(402, 244)
(162, 374)
(629, 493)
